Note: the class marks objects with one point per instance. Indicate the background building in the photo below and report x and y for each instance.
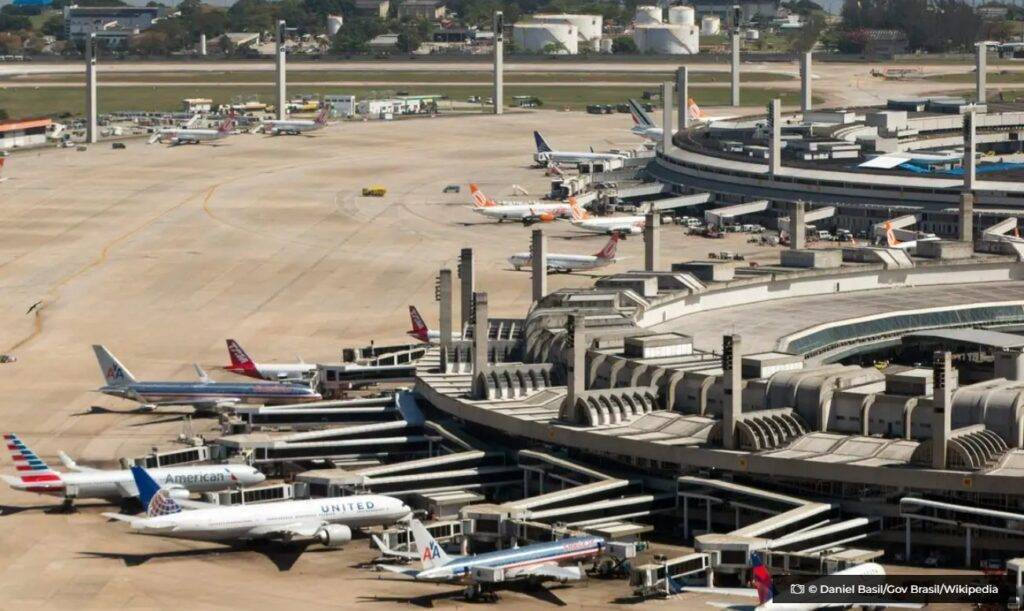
(112, 25)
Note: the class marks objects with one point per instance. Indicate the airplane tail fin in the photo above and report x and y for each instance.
(34, 474)
(694, 110)
(239, 359)
(608, 252)
(890, 236)
(762, 579)
(542, 145)
(419, 327)
(430, 551)
(155, 499)
(201, 373)
(114, 372)
(24, 458)
(228, 124)
(479, 199)
(639, 116)
(321, 119)
(578, 214)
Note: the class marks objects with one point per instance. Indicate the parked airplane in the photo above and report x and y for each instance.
(696, 114)
(537, 563)
(116, 484)
(423, 333)
(243, 365)
(204, 394)
(546, 155)
(295, 127)
(614, 225)
(890, 238)
(194, 136)
(764, 591)
(571, 263)
(329, 520)
(645, 126)
(526, 212)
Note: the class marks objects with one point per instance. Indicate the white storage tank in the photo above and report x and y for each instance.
(752, 35)
(334, 23)
(555, 38)
(606, 45)
(681, 15)
(647, 14)
(667, 39)
(588, 26)
(710, 25)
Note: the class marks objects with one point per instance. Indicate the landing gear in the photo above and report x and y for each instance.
(68, 506)
(476, 593)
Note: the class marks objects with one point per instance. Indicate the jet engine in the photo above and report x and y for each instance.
(334, 535)
(178, 492)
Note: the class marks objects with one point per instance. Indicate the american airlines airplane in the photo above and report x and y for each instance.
(203, 395)
(546, 155)
(116, 484)
(243, 365)
(612, 225)
(195, 136)
(538, 562)
(295, 127)
(571, 263)
(329, 520)
(423, 333)
(764, 591)
(525, 212)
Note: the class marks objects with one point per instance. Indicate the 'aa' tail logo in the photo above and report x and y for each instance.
(432, 551)
(114, 373)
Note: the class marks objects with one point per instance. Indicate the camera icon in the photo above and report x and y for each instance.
(797, 588)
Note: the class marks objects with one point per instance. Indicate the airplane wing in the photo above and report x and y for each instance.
(548, 571)
(71, 465)
(295, 530)
(127, 490)
(190, 504)
(398, 570)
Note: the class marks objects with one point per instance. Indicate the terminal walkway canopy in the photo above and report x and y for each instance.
(974, 338)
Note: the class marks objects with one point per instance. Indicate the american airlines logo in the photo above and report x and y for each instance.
(432, 551)
(198, 478)
(114, 373)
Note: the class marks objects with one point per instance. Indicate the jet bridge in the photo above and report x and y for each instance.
(249, 418)
(811, 216)
(682, 201)
(981, 527)
(715, 216)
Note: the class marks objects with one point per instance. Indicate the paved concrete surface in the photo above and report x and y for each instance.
(162, 253)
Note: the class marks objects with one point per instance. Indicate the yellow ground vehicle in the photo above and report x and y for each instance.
(374, 191)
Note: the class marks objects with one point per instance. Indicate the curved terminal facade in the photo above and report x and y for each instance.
(738, 382)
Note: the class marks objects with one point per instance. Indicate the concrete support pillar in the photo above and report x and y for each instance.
(970, 150)
(92, 134)
(1009, 364)
(282, 79)
(775, 146)
(683, 97)
(980, 66)
(736, 65)
(499, 62)
(732, 406)
(797, 231)
(666, 116)
(805, 83)
(967, 547)
(651, 250)
(202, 45)
(481, 328)
(576, 365)
(942, 404)
(686, 519)
(467, 282)
(966, 224)
(444, 297)
(906, 540)
(539, 264)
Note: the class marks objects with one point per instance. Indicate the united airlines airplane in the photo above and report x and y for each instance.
(538, 562)
(115, 485)
(203, 395)
(329, 521)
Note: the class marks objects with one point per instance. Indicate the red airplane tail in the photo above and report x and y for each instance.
(228, 124)
(419, 327)
(240, 361)
(321, 119)
(608, 252)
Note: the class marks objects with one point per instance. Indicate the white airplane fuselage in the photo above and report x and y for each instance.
(195, 136)
(573, 157)
(243, 522)
(117, 484)
(612, 224)
(292, 126)
(518, 212)
(562, 263)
